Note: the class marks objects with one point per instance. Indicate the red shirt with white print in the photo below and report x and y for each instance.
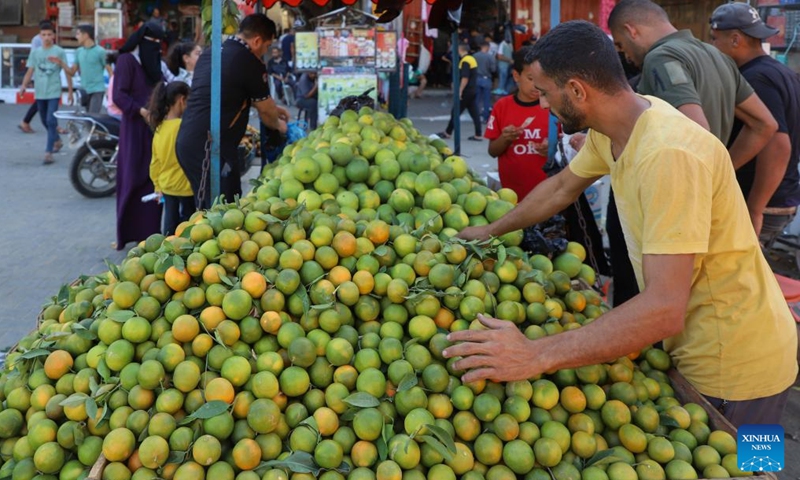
(520, 166)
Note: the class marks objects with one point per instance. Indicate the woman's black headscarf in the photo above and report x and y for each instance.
(149, 52)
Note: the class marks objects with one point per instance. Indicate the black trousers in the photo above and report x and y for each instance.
(469, 101)
(625, 285)
(32, 111)
(176, 210)
(191, 156)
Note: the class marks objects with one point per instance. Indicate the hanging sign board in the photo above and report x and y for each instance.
(306, 51)
(386, 51)
(347, 47)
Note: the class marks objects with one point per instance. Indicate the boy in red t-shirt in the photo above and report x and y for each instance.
(518, 129)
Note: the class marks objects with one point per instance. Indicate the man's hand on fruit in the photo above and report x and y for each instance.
(480, 232)
(500, 353)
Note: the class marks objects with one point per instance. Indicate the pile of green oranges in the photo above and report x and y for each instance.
(298, 333)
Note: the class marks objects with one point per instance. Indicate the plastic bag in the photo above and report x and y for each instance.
(547, 238)
(354, 103)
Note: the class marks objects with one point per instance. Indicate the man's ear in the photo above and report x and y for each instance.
(631, 30)
(576, 89)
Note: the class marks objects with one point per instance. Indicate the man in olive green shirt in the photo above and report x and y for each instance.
(692, 76)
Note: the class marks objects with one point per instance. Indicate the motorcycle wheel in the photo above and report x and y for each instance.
(93, 177)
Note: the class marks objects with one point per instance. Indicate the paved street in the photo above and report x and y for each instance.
(50, 234)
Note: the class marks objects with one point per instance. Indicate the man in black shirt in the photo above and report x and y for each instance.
(771, 181)
(244, 84)
(468, 93)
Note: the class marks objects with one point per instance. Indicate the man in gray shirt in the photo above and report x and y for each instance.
(487, 66)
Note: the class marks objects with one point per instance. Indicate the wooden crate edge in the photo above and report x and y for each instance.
(96, 473)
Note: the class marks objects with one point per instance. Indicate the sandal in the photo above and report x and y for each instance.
(25, 128)
(444, 135)
(57, 146)
(475, 138)
(48, 159)
(62, 131)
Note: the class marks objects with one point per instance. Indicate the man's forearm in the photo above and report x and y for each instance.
(770, 170)
(544, 201)
(748, 144)
(646, 319)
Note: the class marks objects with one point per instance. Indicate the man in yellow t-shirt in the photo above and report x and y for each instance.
(706, 289)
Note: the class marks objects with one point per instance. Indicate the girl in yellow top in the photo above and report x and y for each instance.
(166, 108)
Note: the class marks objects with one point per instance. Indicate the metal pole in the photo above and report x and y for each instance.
(552, 136)
(216, 94)
(456, 99)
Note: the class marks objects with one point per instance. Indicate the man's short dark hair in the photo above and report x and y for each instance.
(463, 46)
(639, 12)
(257, 25)
(87, 29)
(46, 26)
(485, 44)
(522, 58)
(579, 49)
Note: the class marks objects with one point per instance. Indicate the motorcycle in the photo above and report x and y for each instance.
(93, 171)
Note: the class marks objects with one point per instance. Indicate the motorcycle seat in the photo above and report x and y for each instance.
(109, 122)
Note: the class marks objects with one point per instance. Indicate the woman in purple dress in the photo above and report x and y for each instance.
(137, 72)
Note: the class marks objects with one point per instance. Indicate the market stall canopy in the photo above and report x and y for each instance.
(388, 9)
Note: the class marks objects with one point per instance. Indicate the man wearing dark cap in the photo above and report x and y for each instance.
(771, 181)
(691, 76)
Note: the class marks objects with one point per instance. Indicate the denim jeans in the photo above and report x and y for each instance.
(504, 73)
(47, 111)
(485, 96)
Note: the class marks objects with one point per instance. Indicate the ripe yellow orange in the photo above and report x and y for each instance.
(177, 280)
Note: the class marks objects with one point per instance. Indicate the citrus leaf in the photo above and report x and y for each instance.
(211, 409)
(112, 268)
(668, 421)
(348, 414)
(383, 449)
(78, 435)
(443, 436)
(501, 254)
(602, 458)
(362, 400)
(381, 251)
(121, 316)
(91, 408)
(186, 233)
(39, 352)
(408, 382)
(177, 262)
(103, 389)
(176, 457)
(226, 280)
(103, 370)
(269, 218)
(344, 468)
(73, 400)
(436, 445)
(86, 334)
(93, 385)
(297, 462)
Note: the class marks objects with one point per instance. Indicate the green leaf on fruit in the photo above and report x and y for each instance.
(436, 445)
(362, 400)
(602, 458)
(443, 436)
(408, 382)
(668, 421)
(121, 316)
(39, 352)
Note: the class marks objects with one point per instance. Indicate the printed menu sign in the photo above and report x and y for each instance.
(387, 50)
(306, 54)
